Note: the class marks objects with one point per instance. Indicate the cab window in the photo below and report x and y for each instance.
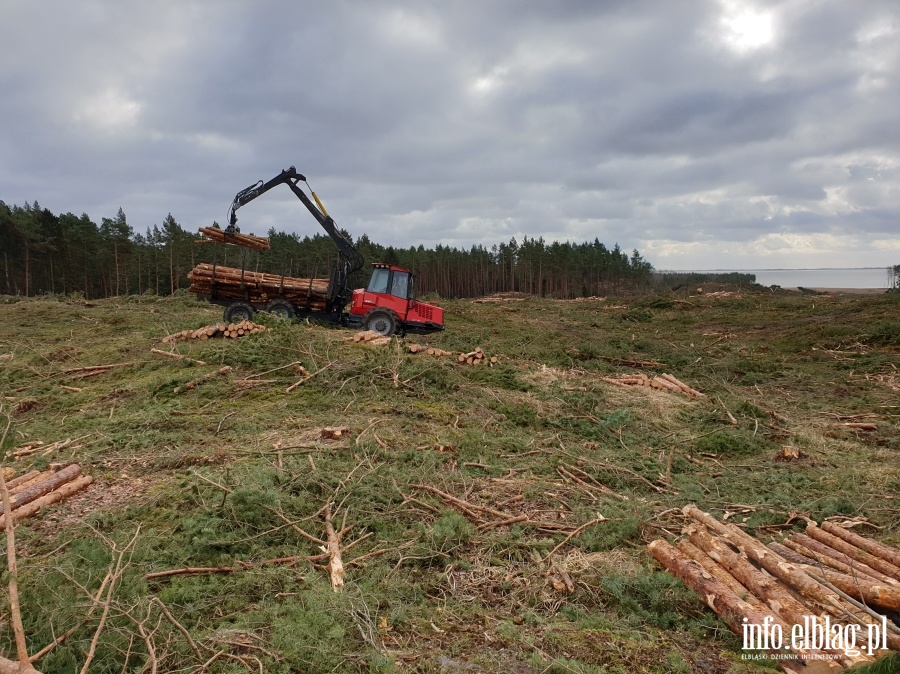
(400, 284)
(379, 281)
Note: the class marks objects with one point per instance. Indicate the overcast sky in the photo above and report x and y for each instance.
(706, 134)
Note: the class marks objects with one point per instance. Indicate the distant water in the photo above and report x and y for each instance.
(858, 277)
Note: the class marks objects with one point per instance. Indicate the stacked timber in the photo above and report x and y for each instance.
(429, 351)
(664, 382)
(231, 283)
(227, 330)
(477, 357)
(32, 491)
(789, 602)
(238, 239)
(369, 338)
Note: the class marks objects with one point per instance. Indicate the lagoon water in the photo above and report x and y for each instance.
(858, 277)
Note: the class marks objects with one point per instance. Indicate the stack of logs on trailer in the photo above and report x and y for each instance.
(230, 283)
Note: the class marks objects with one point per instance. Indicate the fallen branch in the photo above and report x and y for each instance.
(193, 384)
(333, 548)
(15, 611)
(575, 533)
(177, 356)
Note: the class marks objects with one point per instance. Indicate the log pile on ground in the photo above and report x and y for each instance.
(231, 283)
(369, 338)
(769, 590)
(34, 490)
(429, 351)
(664, 382)
(227, 330)
(238, 239)
(477, 357)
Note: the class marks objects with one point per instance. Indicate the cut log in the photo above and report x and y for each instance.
(22, 479)
(798, 554)
(63, 492)
(34, 490)
(763, 586)
(881, 550)
(246, 240)
(725, 603)
(828, 556)
(798, 579)
(682, 386)
(854, 552)
(720, 574)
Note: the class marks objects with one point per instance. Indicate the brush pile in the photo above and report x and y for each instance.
(231, 283)
(664, 382)
(826, 607)
(221, 236)
(32, 491)
(227, 330)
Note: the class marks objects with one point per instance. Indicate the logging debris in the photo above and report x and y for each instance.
(91, 370)
(31, 491)
(791, 585)
(663, 382)
(226, 330)
(214, 234)
(194, 383)
(35, 446)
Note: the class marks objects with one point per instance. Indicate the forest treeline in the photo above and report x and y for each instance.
(47, 253)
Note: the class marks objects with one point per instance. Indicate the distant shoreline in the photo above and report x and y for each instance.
(845, 291)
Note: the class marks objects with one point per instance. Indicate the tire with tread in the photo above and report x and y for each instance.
(382, 321)
(239, 311)
(281, 309)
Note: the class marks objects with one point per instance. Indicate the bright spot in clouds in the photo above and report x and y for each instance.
(110, 111)
(746, 29)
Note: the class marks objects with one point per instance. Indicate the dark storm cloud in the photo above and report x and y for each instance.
(680, 128)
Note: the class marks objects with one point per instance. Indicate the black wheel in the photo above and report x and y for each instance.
(382, 321)
(239, 311)
(281, 309)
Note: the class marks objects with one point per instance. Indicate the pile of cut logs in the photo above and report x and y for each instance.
(369, 338)
(477, 357)
(245, 240)
(231, 283)
(664, 382)
(784, 598)
(229, 330)
(32, 491)
(430, 351)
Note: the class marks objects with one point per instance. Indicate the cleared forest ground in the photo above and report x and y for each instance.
(559, 478)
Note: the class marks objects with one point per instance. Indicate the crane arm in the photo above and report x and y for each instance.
(351, 257)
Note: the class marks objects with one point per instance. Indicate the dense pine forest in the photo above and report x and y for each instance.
(47, 253)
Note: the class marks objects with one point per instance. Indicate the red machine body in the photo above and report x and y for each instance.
(388, 303)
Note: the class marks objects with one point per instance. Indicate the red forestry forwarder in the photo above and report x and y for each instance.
(387, 305)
